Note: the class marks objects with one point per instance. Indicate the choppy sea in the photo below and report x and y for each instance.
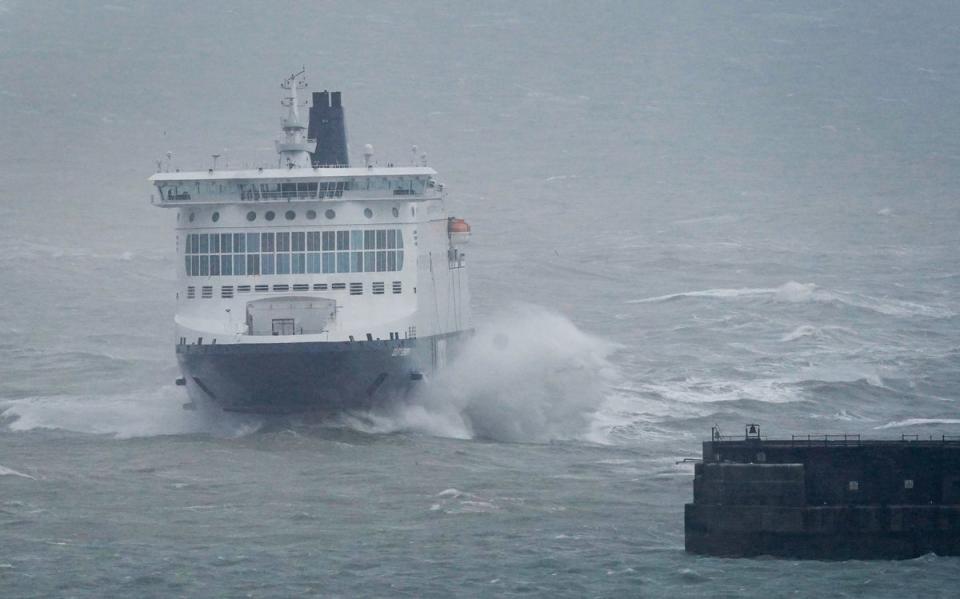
(683, 216)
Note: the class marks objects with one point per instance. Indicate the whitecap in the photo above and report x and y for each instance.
(4, 471)
(800, 332)
(794, 292)
(918, 422)
(707, 293)
(145, 414)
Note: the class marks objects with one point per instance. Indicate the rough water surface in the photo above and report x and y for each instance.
(684, 215)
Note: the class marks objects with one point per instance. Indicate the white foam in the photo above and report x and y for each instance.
(708, 293)
(4, 471)
(695, 390)
(842, 373)
(794, 292)
(146, 414)
(918, 422)
(800, 332)
(529, 375)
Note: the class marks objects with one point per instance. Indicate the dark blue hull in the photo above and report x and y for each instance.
(290, 378)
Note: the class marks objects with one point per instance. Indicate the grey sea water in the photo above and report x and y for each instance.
(684, 214)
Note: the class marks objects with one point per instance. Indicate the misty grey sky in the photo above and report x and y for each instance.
(670, 101)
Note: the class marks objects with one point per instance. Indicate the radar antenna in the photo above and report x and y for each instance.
(295, 148)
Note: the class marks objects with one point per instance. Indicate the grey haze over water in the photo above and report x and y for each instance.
(683, 214)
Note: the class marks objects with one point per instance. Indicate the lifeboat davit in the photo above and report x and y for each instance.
(459, 231)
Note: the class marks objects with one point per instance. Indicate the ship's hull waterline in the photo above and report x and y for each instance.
(313, 377)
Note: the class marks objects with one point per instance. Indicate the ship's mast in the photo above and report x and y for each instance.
(295, 148)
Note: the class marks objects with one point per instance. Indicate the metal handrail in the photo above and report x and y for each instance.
(854, 439)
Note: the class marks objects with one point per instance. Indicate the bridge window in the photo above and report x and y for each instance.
(298, 264)
(283, 264)
(313, 262)
(266, 242)
(296, 252)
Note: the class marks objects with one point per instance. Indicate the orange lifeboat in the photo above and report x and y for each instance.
(459, 230)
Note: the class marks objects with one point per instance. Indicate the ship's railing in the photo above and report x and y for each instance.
(943, 438)
(285, 196)
(256, 195)
(851, 439)
(832, 439)
(250, 195)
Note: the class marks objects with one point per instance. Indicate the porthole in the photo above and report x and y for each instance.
(290, 215)
(192, 216)
(396, 212)
(215, 216)
(330, 214)
(311, 214)
(269, 215)
(251, 216)
(368, 213)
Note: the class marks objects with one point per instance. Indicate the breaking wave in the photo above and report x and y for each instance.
(4, 471)
(122, 416)
(527, 376)
(800, 332)
(917, 422)
(793, 292)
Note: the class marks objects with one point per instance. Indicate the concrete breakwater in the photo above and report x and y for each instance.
(826, 497)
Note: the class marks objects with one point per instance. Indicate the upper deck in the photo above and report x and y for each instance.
(288, 184)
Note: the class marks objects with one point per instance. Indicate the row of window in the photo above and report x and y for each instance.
(292, 214)
(238, 243)
(299, 252)
(356, 288)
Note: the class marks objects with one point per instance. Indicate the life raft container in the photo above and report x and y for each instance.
(459, 231)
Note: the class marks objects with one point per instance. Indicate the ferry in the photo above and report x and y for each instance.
(312, 285)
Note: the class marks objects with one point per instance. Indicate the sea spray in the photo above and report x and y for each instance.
(528, 375)
(143, 414)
